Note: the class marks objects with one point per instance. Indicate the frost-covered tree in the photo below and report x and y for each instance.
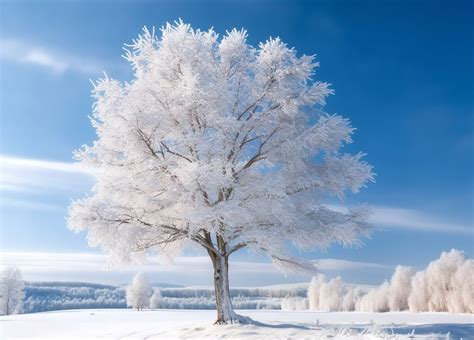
(447, 284)
(139, 292)
(222, 145)
(155, 300)
(331, 295)
(400, 287)
(376, 300)
(11, 291)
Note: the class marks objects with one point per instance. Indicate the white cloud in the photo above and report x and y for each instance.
(25, 204)
(22, 175)
(23, 52)
(343, 265)
(188, 270)
(47, 165)
(410, 219)
(36, 185)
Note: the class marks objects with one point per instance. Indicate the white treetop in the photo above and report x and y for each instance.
(139, 292)
(218, 144)
(11, 291)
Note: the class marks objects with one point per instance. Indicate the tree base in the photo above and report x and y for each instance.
(236, 319)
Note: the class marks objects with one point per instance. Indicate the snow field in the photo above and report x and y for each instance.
(197, 324)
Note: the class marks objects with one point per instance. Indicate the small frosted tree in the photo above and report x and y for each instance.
(11, 291)
(155, 300)
(139, 292)
(221, 145)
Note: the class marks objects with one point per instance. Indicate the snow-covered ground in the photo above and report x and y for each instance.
(197, 324)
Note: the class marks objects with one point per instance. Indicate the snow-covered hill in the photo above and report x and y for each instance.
(197, 324)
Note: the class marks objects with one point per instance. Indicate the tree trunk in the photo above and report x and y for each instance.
(225, 311)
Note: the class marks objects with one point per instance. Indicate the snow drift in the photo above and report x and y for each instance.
(446, 285)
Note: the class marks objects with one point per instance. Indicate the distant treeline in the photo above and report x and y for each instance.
(48, 296)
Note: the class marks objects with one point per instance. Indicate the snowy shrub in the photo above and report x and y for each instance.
(446, 285)
(418, 298)
(314, 290)
(350, 299)
(400, 286)
(256, 303)
(155, 300)
(294, 303)
(461, 299)
(376, 300)
(330, 296)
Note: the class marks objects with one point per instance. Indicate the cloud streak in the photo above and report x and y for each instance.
(22, 52)
(409, 219)
(35, 185)
(344, 265)
(187, 270)
(26, 204)
(17, 162)
(22, 175)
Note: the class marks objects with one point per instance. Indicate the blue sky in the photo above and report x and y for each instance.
(402, 72)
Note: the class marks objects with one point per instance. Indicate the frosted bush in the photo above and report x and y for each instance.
(330, 297)
(463, 299)
(155, 300)
(294, 303)
(314, 291)
(400, 286)
(350, 299)
(446, 285)
(376, 300)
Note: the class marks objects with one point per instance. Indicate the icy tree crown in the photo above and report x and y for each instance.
(220, 144)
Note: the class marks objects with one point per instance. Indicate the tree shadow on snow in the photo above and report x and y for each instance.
(455, 330)
(280, 325)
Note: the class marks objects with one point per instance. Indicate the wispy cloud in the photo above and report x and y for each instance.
(22, 52)
(409, 219)
(343, 265)
(24, 175)
(30, 205)
(389, 217)
(30, 184)
(187, 270)
(46, 165)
